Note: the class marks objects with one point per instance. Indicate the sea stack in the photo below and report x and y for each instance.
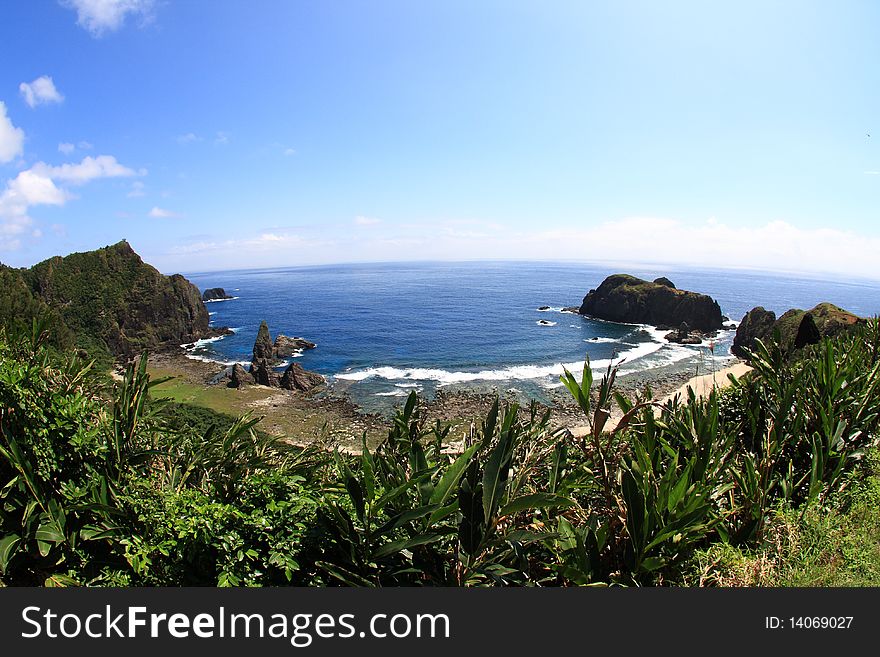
(265, 357)
(215, 294)
(627, 299)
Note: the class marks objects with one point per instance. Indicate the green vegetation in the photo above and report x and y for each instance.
(108, 301)
(774, 481)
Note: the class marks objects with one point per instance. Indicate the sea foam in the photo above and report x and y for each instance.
(511, 373)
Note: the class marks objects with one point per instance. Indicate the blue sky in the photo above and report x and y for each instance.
(217, 135)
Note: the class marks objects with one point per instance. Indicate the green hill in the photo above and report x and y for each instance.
(108, 299)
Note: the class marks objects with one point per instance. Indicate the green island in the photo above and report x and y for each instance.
(119, 467)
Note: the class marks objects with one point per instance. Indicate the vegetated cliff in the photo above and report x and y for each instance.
(625, 298)
(111, 299)
(797, 328)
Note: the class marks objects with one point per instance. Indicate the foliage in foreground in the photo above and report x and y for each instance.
(100, 485)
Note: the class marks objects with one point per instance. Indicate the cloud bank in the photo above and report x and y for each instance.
(776, 245)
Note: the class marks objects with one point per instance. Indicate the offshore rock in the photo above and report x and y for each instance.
(285, 346)
(263, 374)
(215, 294)
(631, 300)
(684, 335)
(265, 358)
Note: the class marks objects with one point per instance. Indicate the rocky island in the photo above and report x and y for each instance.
(215, 294)
(627, 299)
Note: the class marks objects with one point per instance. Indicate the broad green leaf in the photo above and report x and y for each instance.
(535, 501)
(449, 480)
(7, 550)
(405, 544)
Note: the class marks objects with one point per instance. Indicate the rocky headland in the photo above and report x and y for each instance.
(797, 328)
(110, 300)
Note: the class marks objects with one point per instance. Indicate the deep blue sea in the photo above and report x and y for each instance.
(385, 329)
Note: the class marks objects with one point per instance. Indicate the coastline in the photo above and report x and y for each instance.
(329, 417)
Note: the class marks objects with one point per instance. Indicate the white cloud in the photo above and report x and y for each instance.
(37, 186)
(289, 151)
(872, 173)
(41, 91)
(31, 188)
(360, 220)
(91, 168)
(188, 138)
(159, 213)
(222, 139)
(67, 148)
(137, 189)
(11, 138)
(102, 16)
(25, 190)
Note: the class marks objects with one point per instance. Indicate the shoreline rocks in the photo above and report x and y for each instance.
(684, 335)
(265, 357)
(285, 347)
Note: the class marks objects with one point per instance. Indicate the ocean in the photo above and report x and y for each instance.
(385, 329)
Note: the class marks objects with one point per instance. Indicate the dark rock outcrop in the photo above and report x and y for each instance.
(215, 294)
(265, 358)
(807, 333)
(263, 347)
(664, 281)
(756, 325)
(684, 335)
(285, 347)
(543, 308)
(797, 328)
(264, 374)
(239, 377)
(624, 298)
(296, 378)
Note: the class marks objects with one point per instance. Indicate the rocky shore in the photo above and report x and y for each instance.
(328, 416)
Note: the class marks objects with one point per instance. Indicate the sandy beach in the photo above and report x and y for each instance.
(702, 385)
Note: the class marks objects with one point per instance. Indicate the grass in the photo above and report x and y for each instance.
(284, 414)
(836, 545)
